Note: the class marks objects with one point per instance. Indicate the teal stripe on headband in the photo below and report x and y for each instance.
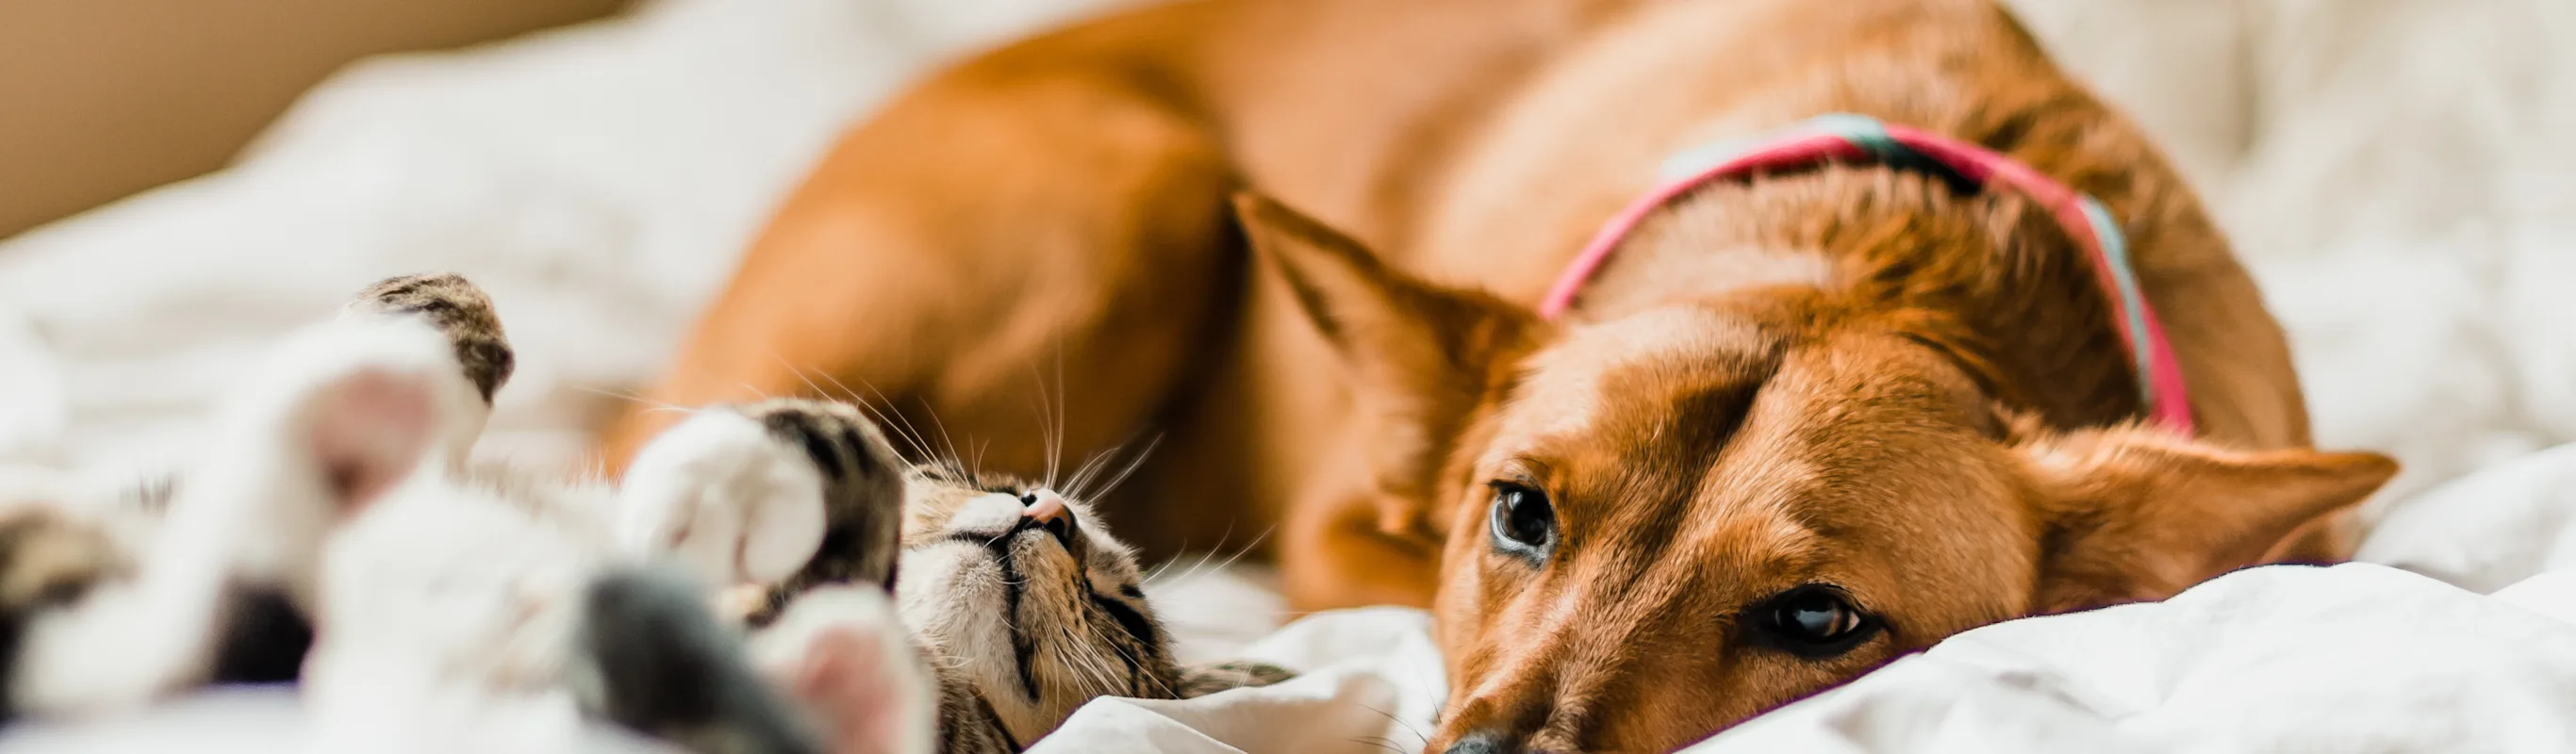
(2133, 313)
(1864, 132)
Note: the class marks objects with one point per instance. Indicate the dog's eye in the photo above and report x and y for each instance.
(1814, 621)
(1524, 524)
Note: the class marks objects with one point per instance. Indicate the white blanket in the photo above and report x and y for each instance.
(2395, 171)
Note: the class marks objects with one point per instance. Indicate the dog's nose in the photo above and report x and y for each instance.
(1480, 743)
(1048, 511)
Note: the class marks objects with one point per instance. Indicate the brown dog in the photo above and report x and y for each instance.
(1800, 424)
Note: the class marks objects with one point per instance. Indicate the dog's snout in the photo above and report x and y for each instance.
(1047, 510)
(1487, 742)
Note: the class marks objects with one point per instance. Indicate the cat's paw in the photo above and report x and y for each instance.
(660, 664)
(458, 310)
(844, 656)
(724, 496)
(50, 558)
(780, 491)
(1202, 680)
(333, 421)
(341, 415)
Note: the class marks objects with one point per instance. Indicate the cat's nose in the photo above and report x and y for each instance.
(1047, 510)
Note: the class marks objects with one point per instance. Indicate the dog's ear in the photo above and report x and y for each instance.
(1421, 357)
(2137, 513)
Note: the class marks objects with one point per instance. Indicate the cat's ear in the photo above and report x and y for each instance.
(1209, 678)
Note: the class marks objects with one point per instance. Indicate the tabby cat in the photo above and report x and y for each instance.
(451, 605)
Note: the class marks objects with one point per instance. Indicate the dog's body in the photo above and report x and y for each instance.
(1785, 382)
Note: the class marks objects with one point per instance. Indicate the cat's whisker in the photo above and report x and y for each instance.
(879, 415)
(1156, 576)
(1132, 465)
(1202, 569)
(635, 398)
(800, 373)
(919, 441)
(1090, 466)
(1094, 668)
(946, 440)
(1063, 427)
(862, 404)
(1408, 727)
(1051, 427)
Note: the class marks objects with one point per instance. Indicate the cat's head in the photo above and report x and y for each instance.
(1019, 593)
(1030, 596)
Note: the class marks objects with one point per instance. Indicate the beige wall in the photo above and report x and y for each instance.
(103, 98)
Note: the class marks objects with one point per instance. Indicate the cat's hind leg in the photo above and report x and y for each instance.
(335, 418)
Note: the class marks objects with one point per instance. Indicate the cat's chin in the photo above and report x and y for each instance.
(952, 592)
(972, 577)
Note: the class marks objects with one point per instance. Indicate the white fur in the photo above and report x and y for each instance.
(256, 508)
(906, 720)
(445, 605)
(996, 513)
(724, 497)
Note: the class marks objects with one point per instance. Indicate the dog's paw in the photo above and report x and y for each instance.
(723, 495)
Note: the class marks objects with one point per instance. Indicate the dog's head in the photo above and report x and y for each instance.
(1661, 522)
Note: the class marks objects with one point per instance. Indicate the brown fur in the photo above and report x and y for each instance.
(1850, 378)
(458, 309)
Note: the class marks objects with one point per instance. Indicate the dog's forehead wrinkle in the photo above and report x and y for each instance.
(1654, 427)
(1565, 384)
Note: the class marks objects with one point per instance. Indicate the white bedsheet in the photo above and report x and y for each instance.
(2395, 171)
